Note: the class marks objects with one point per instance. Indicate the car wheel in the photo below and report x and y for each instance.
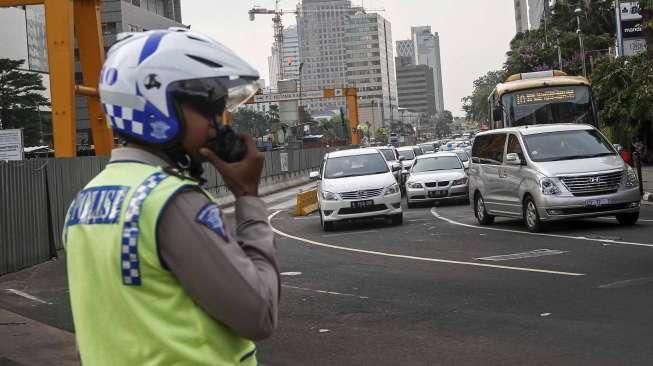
(480, 212)
(326, 225)
(531, 216)
(628, 219)
(397, 219)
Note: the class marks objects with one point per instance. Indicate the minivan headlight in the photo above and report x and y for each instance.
(630, 179)
(393, 189)
(549, 186)
(330, 196)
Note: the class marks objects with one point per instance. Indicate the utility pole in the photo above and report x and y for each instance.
(578, 11)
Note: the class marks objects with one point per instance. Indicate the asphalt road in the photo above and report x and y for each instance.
(438, 290)
(441, 291)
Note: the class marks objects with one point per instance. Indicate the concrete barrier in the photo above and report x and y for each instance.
(306, 203)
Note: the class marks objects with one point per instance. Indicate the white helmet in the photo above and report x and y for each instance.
(146, 75)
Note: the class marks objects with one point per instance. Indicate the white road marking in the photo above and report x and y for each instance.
(290, 273)
(349, 233)
(324, 292)
(626, 283)
(522, 255)
(583, 238)
(435, 260)
(27, 296)
(545, 314)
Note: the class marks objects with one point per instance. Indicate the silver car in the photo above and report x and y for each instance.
(550, 172)
(437, 177)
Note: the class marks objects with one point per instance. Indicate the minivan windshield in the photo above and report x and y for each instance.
(436, 163)
(407, 154)
(567, 145)
(388, 154)
(354, 166)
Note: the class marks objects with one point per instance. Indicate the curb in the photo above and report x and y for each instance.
(230, 200)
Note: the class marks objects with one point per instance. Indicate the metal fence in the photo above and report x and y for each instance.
(35, 195)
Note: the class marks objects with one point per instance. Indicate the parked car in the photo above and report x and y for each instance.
(437, 177)
(392, 159)
(357, 184)
(407, 155)
(428, 147)
(550, 172)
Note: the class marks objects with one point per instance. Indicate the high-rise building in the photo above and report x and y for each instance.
(529, 14)
(126, 16)
(370, 66)
(415, 87)
(427, 52)
(290, 57)
(521, 15)
(321, 32)
(406, 48)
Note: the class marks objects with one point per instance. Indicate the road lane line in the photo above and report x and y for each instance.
(626, 283)
(583, 238)
(424, 259)
(27, 296)
(324, 292)
(531, 254)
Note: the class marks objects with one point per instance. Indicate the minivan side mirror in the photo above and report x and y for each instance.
(314, 175)
(396, 167)
(401, 158)
(513, 159)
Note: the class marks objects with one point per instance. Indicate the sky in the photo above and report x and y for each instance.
(474, 34)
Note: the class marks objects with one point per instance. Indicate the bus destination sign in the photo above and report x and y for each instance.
(545, 96)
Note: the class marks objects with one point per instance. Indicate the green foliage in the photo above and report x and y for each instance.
(623, 89)
(252, 122)
(476, 106)
(443, 123)
(20, 101)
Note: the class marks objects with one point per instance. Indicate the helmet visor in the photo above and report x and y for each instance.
(212, 96)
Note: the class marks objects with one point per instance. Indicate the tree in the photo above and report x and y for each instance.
(623, 89)
(476, 106)
(20, 101)
(250, 121)
(443, 122)
(646, 10)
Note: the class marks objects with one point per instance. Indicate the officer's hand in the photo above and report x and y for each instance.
(241, 177)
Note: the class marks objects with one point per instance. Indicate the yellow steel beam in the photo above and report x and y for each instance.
(59, 33)
(8, 3)
(352, 111)
(91, 56)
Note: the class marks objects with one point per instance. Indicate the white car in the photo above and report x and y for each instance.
(464, 157)
(407, 156)
(437, 177)
(392, 158)
(357, 184)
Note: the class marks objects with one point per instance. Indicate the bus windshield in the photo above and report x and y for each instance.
(560, 104)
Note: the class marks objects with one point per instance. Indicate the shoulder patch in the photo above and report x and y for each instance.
(211, 217)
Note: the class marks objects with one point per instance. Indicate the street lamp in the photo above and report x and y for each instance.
(578, 12)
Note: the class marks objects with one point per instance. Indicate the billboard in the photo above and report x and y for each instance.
(11, 144)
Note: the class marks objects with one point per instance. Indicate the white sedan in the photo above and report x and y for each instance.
(437, 177)
(357, 184)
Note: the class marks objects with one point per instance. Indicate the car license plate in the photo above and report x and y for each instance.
(436, 194)
(362, 204)
(597, 202)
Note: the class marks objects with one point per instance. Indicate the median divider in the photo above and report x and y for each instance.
(306, 203)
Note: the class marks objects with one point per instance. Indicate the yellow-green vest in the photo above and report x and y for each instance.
(127, 308)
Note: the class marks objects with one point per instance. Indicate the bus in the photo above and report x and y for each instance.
(541, 98)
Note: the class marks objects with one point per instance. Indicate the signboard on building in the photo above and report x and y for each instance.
(634, 46)
(11, 144)
(632, 29)
(630, 10)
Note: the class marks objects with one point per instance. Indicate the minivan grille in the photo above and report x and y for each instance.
(593, 184)
(361, 195)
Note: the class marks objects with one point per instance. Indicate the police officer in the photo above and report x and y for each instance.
(155, 276)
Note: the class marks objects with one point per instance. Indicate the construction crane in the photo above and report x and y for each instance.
(278, 25)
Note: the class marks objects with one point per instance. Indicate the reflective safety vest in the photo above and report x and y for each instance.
(127, 308)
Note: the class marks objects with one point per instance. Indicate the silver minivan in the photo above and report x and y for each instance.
(550, 172)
